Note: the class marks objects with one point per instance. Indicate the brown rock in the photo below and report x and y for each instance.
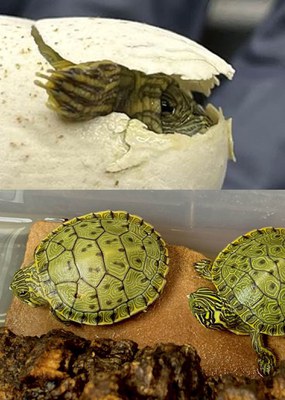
(236, 388)
(167, 320)
(277, 384)
(158, 372)
(105, 387)
(60, 365)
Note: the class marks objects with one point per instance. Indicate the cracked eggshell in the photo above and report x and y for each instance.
(40, 150)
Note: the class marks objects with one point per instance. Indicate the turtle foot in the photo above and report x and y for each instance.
(267, 363)
(203, 268)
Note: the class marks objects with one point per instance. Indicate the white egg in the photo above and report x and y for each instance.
(38, 149)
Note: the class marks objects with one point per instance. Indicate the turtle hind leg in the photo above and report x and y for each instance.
(203, 267)
(265, 357)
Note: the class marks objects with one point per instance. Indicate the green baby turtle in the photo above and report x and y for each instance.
(87, 90)
(96, 269)
(249, 275)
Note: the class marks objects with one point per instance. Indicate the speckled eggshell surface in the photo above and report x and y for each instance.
(38, 149)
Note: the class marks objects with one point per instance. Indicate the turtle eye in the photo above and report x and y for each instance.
(166, 107)
(22, 293)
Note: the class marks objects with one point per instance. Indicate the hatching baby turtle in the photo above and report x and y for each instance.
(96, 269)
(249, 275)
(90, 89)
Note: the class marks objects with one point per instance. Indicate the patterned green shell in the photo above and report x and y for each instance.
(102, 267)
(250, 275)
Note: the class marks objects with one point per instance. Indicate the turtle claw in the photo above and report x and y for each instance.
(203, 267)
(265, 357)
(267, 364)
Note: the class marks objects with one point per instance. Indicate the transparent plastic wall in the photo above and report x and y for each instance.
(201, 220)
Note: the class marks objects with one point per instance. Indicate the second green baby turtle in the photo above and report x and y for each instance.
(249, 275)
(96, 269)
(90, 89)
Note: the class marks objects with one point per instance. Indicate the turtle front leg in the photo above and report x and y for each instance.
(203, 268)
(58, 315)
(266, 359)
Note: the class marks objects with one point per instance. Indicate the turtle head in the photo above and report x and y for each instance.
(180, 113)
(208, 308)
(26, 286)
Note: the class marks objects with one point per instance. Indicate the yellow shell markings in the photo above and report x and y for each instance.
(249, 275)
(87, 90)
(96, 269)
(259, 287)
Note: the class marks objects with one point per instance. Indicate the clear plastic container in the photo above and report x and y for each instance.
(202, 220)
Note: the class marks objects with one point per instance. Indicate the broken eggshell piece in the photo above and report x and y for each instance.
(113, 151)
